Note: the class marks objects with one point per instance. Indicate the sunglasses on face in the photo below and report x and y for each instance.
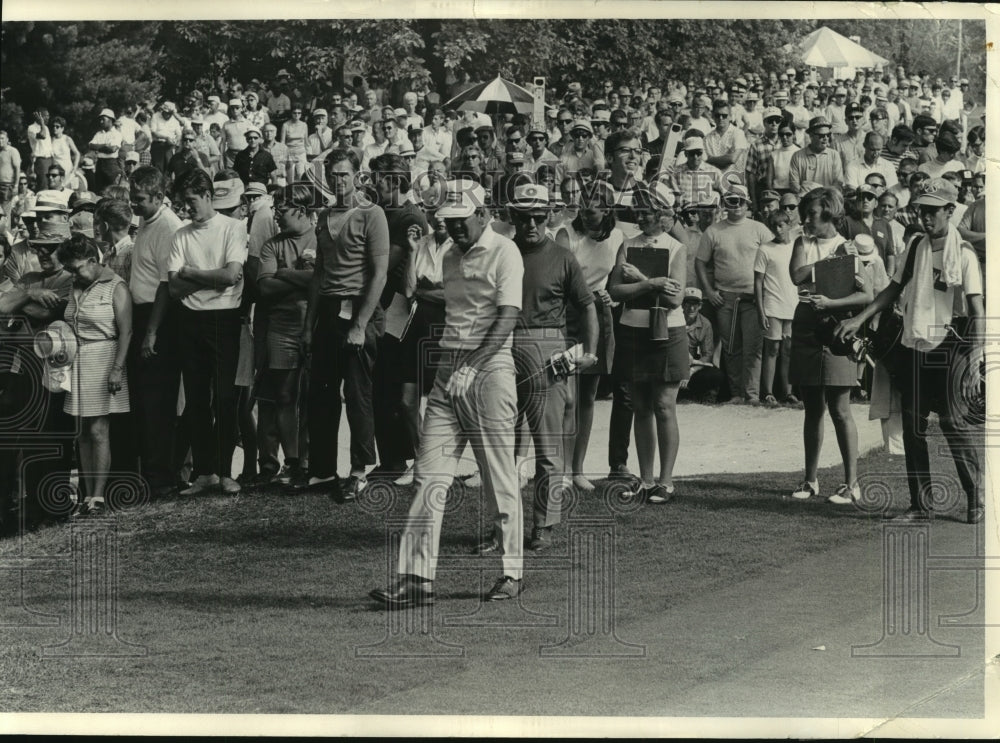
(529, 217)
(580, 135)
(790, 207)
(565, 121)
(855, 117)
(515, 141)
(733, 203)
(191, 139)
(536, 139)
(925, 210)
(251, 137)
(720, 116)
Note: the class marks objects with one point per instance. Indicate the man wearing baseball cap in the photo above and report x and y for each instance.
(725, 267)
(185, 158)
(584, 152)
(106, 143)
(553, 284)
(695, 178)
(254, 163)
(850, 144)
(726, 146)
(940, 288)
(818, 162)
(706, 379)
(165, 131)
(538, 151)
(474, 400)
(759, 155)
(233, 140)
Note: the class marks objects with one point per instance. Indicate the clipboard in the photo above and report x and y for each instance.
(653, 262)
(398, 316)
(834, 277)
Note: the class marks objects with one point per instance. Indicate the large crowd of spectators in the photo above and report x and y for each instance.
(235, 270)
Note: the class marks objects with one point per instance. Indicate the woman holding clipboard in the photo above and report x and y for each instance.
(651, 352)
(825, 379)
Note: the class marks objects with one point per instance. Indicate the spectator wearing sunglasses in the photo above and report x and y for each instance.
(850, 145)
(726, 145)
(925, 129)
(780, 160)
(584, 152)
(538, 152)
(817, 163)
(564, 123)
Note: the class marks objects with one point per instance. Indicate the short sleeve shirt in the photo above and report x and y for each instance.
(731, 249)
(488, 276)
(150, 252)
(210, 245)
(552, 278)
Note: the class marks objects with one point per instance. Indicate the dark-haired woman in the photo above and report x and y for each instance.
(100, 313)
(824, 378)
(595, 240)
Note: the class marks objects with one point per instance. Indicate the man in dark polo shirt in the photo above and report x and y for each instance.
(345, 319)
(406, 221)
(254, 163)
(552, 280)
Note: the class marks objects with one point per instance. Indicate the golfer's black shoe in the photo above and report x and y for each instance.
(408, 591)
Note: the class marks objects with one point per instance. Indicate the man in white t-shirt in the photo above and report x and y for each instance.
(153, 364)
(941, 292)
(205, 271)
(725, 268)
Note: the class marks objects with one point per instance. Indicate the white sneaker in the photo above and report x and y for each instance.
(845, 495)
(406, 478)
(201, 484)
(229, 486)
(806, 490)
(314, 481)
(474, 480)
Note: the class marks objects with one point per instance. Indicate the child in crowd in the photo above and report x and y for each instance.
(776, 300)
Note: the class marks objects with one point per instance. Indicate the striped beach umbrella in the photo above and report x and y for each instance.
(497, 96)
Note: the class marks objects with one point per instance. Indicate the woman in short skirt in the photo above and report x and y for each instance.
(100, 313)
(825, 379)
(653, 362)
(595, 242)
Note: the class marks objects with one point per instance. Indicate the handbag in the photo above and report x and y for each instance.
(884, 341)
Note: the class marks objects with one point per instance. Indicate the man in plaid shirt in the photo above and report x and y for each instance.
(760, 153)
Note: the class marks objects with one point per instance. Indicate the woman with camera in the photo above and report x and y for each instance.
(825, 378)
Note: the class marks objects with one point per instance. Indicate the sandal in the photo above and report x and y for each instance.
(770, 401)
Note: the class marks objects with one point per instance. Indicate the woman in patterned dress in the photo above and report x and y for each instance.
(100, 313)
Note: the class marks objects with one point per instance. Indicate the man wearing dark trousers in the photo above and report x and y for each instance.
(205, 271)
(345, 320)
(407, 224)
(553, 279)
(153, 363)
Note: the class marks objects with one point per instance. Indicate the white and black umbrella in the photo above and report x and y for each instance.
(495, 97)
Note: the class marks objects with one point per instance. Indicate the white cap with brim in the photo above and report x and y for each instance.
(227, 194)
(255, 188)
(530, 196)
(462, 200)
(694, 143)
(692, 294)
